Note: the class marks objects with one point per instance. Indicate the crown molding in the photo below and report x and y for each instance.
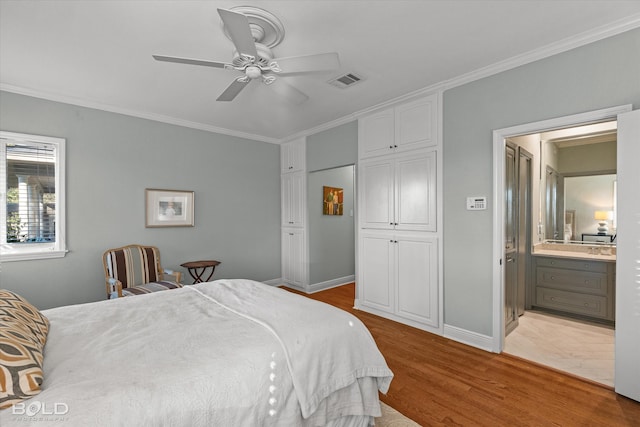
(618, 27)
(133, 113)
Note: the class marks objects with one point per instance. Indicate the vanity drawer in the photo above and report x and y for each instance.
(572, 280)
(572, 302)
(595, 266)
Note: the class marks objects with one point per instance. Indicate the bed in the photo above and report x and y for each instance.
(227, 353)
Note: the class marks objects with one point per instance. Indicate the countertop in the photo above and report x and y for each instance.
(575, 251)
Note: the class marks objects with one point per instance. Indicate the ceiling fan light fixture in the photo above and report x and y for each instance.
(254, 32)
(253, 72)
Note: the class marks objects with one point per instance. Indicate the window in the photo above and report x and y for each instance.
(32, 220)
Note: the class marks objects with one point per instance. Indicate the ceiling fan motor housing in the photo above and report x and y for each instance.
(262, 60)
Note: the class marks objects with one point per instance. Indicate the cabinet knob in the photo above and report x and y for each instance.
(395, 146)
(553, 277)
(391, 147)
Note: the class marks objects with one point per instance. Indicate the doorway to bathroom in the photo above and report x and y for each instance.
(538, 318)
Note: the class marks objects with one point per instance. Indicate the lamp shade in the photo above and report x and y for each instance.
(602, 215)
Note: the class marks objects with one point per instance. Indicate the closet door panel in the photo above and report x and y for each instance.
(415, 189)
(417, 278)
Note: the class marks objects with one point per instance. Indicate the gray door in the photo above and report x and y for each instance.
(523, 232)
(510, 243)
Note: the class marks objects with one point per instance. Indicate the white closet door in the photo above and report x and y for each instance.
(417, 278)
(415, 192)
(377, 251)
(376, 190)
(627, 368)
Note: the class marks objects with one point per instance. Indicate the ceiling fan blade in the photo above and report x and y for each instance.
(214, 64)
(287, 91)
(233, 89)
(237, 25)
(308, 63)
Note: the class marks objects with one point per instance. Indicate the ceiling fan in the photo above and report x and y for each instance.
(254, 32)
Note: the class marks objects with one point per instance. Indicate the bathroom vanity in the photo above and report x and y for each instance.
(575, 279)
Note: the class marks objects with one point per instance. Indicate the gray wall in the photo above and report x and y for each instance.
(588, 158)
(333, 147)
(602, 74)
(331, 237)
(111, 159)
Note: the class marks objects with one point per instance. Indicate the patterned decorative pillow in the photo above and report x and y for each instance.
(23, 334)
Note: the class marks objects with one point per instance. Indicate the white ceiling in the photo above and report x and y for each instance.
(97, 53)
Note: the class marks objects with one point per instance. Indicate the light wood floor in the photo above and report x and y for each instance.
(439, 382)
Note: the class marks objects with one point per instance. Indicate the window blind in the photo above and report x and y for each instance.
(30, 192)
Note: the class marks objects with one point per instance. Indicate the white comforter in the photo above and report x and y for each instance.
(224, 353)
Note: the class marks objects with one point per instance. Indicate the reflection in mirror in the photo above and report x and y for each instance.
(554, 196)
(587, 195)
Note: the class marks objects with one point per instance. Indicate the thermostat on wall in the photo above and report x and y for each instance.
(476, 203)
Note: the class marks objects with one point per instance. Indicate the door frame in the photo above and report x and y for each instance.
(499, 143)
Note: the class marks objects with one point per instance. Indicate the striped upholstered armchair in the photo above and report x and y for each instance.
(134, 270)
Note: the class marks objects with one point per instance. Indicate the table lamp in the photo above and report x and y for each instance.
(602, 217)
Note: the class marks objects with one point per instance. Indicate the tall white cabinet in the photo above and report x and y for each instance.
(293, 208)
(398, 274)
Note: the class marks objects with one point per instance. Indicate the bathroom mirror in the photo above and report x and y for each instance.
(578, 188)
(572, 203)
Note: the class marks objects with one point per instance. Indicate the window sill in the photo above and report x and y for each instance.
(28, 256)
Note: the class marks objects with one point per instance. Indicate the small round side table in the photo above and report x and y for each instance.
(197, 269)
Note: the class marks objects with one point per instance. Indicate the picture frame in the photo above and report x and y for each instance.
(332, 200)
(169, 208)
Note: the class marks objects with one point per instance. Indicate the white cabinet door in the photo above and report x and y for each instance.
(416, 257)
(292, 156)
(376, 190)
(408, 126)
(416, 124)
(376, 134)
(376, 270)
(293, 271)
(293, 192)
(399, 192)
(415, 192)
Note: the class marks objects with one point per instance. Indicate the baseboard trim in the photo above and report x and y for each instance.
(474, 339)
(274, 282)
(333, 283)
(317, 287)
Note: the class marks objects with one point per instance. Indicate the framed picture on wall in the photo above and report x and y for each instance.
(169, 208)
(332, 200)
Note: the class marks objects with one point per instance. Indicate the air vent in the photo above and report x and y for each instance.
(346, 80)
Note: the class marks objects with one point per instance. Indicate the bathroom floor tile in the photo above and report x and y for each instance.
(579, 347)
